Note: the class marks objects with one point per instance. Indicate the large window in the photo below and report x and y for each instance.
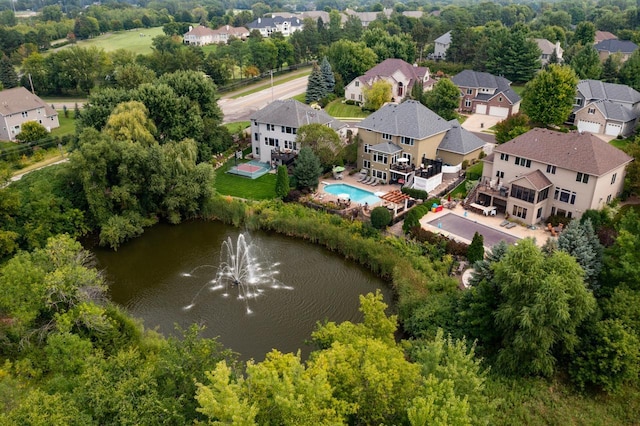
(565, 196)
(467, 103)
(407, 141)
(386, 137)
(543, 195)
(523, 162)
(582, 177)
(504, 156)
(366, 148)
(380, 174)
(551, 169)
(520, 212)
(500, 174)
(380, 158)
(366, 164)
(524, 194)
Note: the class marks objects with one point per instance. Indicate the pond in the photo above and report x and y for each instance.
(158, 275)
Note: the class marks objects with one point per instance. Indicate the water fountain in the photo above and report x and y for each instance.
(242, 269)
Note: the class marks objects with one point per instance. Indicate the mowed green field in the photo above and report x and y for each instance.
(138, 41)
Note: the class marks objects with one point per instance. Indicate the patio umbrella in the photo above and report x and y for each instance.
(449, 199)
(338, 169)
(403, 160)
(344, 196)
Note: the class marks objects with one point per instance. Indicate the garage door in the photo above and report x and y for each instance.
(481, 109)
(613, 129)
(499, 111)
(588, 126)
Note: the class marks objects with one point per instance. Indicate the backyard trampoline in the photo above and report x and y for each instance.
(253, 169)
(465, 228)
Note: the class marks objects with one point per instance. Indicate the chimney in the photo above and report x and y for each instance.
(190, 27)
(259, 20)
(227, 28)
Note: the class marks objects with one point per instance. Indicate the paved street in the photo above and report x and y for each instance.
(242, 108)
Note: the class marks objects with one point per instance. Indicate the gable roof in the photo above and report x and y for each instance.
(615, 45)
(603, 35)
(476, 80)
(235, 31)
(536, 178)
(19, 99)
(580, 152)
(545, 46)
(444, 38)
(272, 22)
(613, 111)
(410, 119)
(598, 90)
(459, 140)
(200, 31)
(292, 113)
(387, 67)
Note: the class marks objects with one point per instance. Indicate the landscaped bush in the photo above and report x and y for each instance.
(413, 217)
(450, 246)
(380, 217)
(556, 220)
(415, 193)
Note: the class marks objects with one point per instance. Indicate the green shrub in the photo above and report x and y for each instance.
(380, 217)
(415, 193)
(475, 251)
(412, 219)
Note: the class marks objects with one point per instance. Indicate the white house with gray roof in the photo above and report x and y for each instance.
(544, 172)
(441, 45)
(605, 108)
(409, 143)
(17, 106)
(484, 93)
(274, 128)
(268, 26)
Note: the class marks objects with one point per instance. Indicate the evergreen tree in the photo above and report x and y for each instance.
(475, 252)
(327, 76)
(586, 63)
(8, 75)
(581, 242)
(282, 182)
(611, 68)
(516, 56)
(307, 169)
(630, 71)
(315, 87)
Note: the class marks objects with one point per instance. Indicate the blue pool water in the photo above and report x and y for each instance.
(355, 194)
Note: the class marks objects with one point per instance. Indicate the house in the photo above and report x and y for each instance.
(199, 36)
(605, 108)
(609, 47)
(401, 75)
(543, 173)
(410, 144)
(267, 26)
(602, 36)
(226, 32)
(274, 128)
(547, 48)
(484, 93)
(18, 106)
(441, 44)
(368, 17)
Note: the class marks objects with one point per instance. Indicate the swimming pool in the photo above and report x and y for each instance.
(355, 194)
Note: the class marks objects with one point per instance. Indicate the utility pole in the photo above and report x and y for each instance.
(271, 71)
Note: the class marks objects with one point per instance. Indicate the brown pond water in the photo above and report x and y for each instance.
(148, 277)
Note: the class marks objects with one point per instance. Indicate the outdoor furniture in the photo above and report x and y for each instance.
(504, 223)
(486, 210)
(511, 225)
(367, 179)
(375, 182)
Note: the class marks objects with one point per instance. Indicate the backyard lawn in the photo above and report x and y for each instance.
(137, 40)
(67, 125)
(237, 186)
(237, 126)
(338, 109)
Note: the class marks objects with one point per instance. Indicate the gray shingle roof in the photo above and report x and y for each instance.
(386, 147)
(292, 113)
(444, 38)
(271, 22)
(580, 152)
(476, 80)
(459, 140)
(410, 119)
(614, 111)
(19, 99)
(615, 45)
(598, 90)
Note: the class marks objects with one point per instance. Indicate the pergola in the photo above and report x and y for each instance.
(397, 198)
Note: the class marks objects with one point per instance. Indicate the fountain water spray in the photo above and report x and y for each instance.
(242, 269)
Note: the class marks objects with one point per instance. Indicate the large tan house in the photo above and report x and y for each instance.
(544, 172)
(18, 106)
(202, 36)
(408, 142)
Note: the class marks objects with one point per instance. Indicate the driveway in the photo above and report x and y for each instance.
(480, 123)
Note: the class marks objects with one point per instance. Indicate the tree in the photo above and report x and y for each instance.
(129, 121)
(130, 76)
(581, 242)
(31, 131)
(584, 34)
(380, 217)
(307, 169)
(512, 127)
(444, 99)
(327, 75)
(516, 56)
(316, 88)
(323, 141)
(282, 182)
(586, 63)
(377, 95)
(630, 71)
(351, 59)
(548, 98)
(86, 27)
(475, 252)
(8, 75)
(611, 68)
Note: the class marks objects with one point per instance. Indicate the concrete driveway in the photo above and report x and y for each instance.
(480, 123)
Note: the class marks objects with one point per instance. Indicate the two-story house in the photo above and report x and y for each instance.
(268, 26)
(274, 129)
(484, 93)
(547, 48)
(605, 108)
(202, 36)
(18, 106)
(410, 144)
(441, 45)
(401, 75)
(544, 172)
(624, 48)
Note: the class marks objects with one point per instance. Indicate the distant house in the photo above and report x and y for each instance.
(225, 32)
(401, 75)
(602, 36)
(410, 144)
(441, 45)
(484, 93)
(199, 36)
(543, 173)
(547, 48)
(267, 26)
(609, 47)
(274, 128)
(368, 17)
(605, 108)
(17, 106)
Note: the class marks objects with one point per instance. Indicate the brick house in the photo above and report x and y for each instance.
(484, 93)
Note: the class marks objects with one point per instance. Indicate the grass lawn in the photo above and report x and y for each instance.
(302, 97)
(237, 126)
(255, 189)
(130, 40)
(276, 81)
(338, 109)
(518, 89)
(619, 143)
(67, 125)
(460, 191)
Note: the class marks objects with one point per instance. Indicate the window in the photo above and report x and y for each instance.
(257, 150)
(271, 142)
(591, 111)
(524, 194)
(353, 96)
(366, 164)
(551, 169)
(25, 114)
(379, 174)
(271, 127)
(613, 178)
(380, 158)
(499, 98)
(520, 212)
(577, 101)
(357, 84)
(539, 214)
(467, 103)
(256, 137)
(582, 177)
(543, 195)
(360, 98)
(469, 91)
(608, 198)
(407, 156)
(386, 137)
(407, 141)
(504, 156)
(366, 148)
(523, 162)
(565, 196)
(500, 174)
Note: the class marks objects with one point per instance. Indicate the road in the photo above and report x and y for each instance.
(240, 109)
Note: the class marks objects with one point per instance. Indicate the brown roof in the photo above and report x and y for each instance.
(581, 152)
(200, 31)
(604, 35)
(537, 179)
(235, 31)
(387, 67)
(19, 99)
